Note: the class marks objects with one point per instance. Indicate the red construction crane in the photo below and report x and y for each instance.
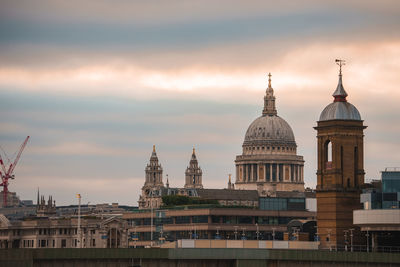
(8, 174)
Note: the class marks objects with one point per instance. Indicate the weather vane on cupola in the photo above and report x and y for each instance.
(340, 63)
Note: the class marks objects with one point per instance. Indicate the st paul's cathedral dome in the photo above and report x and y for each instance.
(269, 162)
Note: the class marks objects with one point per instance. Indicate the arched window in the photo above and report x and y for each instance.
(328, 154)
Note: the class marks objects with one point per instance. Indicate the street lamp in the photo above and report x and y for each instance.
(351, 239)
(345, 239)
(329, 239)
(243, 234)
(217, 233)
(79, 220)
(236, 232)
(257, 233)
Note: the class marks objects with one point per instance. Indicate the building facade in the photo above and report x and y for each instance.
(379, 220)
(269, 161)
(59, 232)
(340, 174)
(210, 223)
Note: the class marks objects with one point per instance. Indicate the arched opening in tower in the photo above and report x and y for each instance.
(328, 154)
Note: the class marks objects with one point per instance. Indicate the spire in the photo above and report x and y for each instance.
(340, 94)
(194, 154)
(167, 184)
(269, 80)
(230, 186)
(153, 154)
(38, 196)
(193, 173)
(269, 100)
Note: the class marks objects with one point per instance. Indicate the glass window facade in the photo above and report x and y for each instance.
(245, 220)
(229, 219)
(200, 219)
(391, 181)
(182, 219)
(215, 219)
(167, 220)
(282, 204)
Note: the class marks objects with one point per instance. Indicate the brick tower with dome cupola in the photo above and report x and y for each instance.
(340, 173)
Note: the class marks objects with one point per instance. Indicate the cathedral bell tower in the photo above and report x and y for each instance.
(193, 173)
(340, 171)
(153, 185)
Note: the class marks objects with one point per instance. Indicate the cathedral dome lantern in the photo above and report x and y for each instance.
(269, 162)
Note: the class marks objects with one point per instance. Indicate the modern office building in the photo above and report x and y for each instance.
(210, 223)
(380, 219)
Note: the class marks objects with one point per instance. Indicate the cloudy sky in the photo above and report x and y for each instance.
(97, 83)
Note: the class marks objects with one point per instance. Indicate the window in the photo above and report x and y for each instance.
(273, 203)
(262, 220)
(296, 204)
(328, 154)
(182, 220)
(93, 242)
(166, 220)
(215, 219)
(200, 219)
(272, 220)
(64, 243)
(229, 219)
(245, 220)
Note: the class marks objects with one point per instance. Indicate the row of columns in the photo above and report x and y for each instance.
(272, 172)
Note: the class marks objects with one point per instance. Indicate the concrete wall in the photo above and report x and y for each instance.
(210, 243)
(191, 257)
(377, 217)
